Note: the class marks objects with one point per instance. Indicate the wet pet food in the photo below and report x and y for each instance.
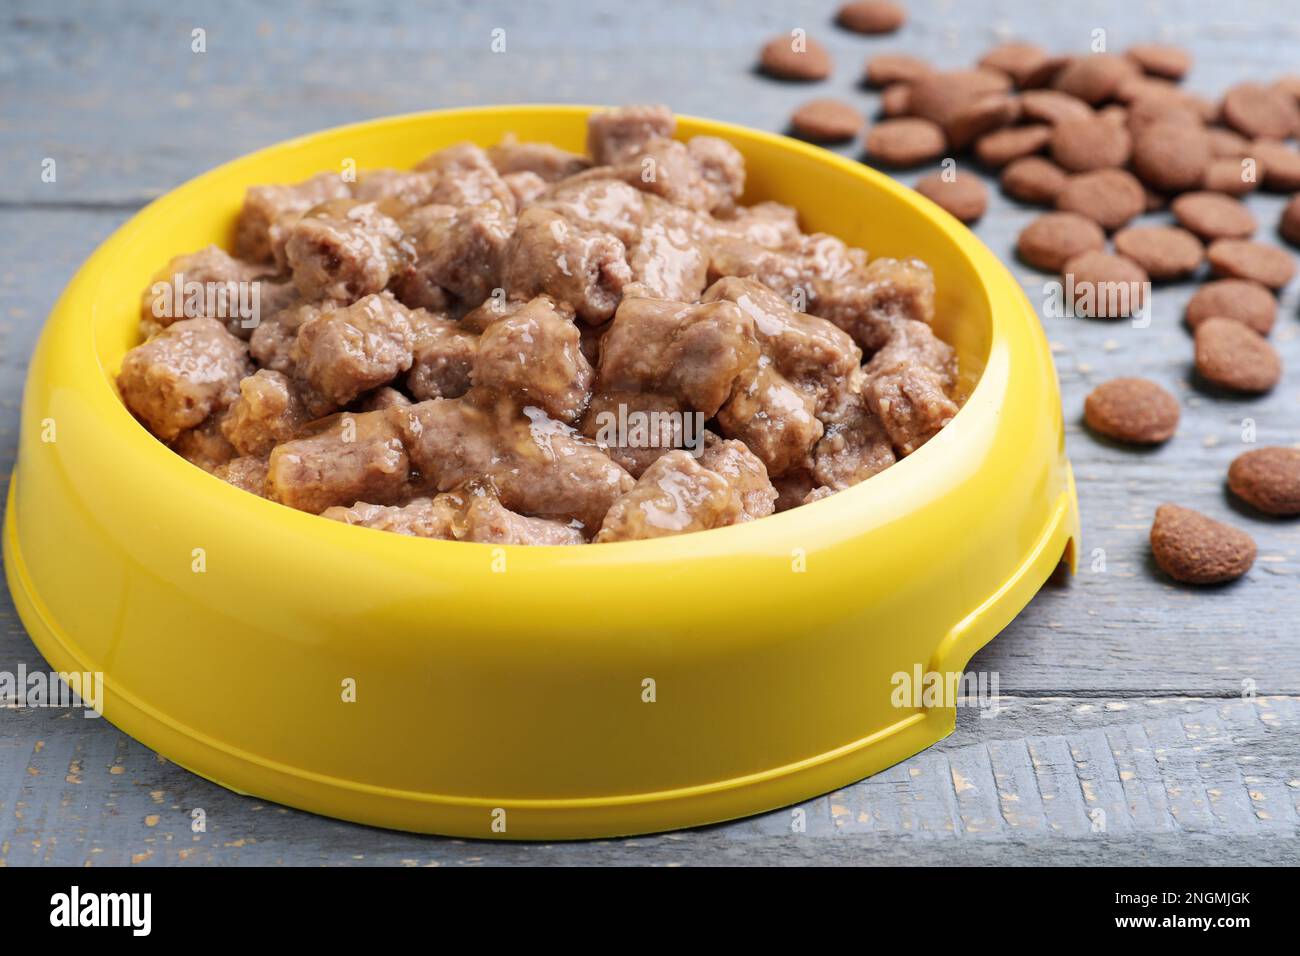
(523, 345)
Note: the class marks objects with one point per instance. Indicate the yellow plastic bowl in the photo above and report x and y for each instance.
(531, 693)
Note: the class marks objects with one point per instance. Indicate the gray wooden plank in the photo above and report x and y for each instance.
(1046, 780)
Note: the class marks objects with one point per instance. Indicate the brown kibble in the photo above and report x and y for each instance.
(1052, 239)
(1109, 197)
(1280, 165)
(981, 115)
(871, 16)
(1027, 64)
(1231, 356)
(1132, 410)
(1225, 144)
(826, 121)
(1288, 84)
(1214, 216)
(1106, 286)
(906, 141)
(965, 195)
(1194, 549)
(1115, 113)
(940, 97)
(1242, 300)
(1232, 177)
(1160, 59)
(1095, 78)
(1289, 225)
(1268, 479)
(1034, 180)
(1171, 156)
(896, 100)
(1261, 112)
(789, 58)
(1243, 259)
(1000, 147)
(884, 69)
(1147, 110)
(1053, 106)
(1165, 252)
(1081, 145)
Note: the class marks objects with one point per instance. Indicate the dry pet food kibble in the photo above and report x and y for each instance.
(1170, 155)
(1132, 410)
(787, 57)
(871, 16)
(963, 195)
(1158, 59)
(885, 69)
(1194, 549)
(1289, 225)
(1230, 176)
(1213, 216)
(826, 121)
(1231, 356)
(1165, 252)
(1240, 299)
(1109, 197)
(1034, 180)
(1028, 64)
(1080, 145)
(895, 100)
(1261, 112)
(1268, 479)
(1096, 77)
(1053, 106)
(1106, 286)
(907, 141)
(1278, 165)
(1052, 239)
(1243, 259)
(1000, 147)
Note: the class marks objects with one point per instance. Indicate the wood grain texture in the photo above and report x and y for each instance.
(1124, 690)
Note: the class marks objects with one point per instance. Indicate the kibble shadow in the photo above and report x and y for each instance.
(1155, 572)
(1252, 513)
(1127, 447)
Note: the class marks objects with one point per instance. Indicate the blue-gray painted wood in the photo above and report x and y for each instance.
(1124, 692)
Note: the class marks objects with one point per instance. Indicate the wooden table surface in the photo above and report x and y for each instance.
(1175, 713)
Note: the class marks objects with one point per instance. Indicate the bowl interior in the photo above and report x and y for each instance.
(833, 194)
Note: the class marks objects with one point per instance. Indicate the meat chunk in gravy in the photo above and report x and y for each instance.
(540, 466)
(345, 352)
(549, 255)
(471, 513)
(267, 412)
(210, 284)
(345, 250)
(517, 344)
(675, 495)
(345, 459)
(617, 135)
(268, 211)
(535, 356)
(694, 353)
(909, 385)
(182, 375)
